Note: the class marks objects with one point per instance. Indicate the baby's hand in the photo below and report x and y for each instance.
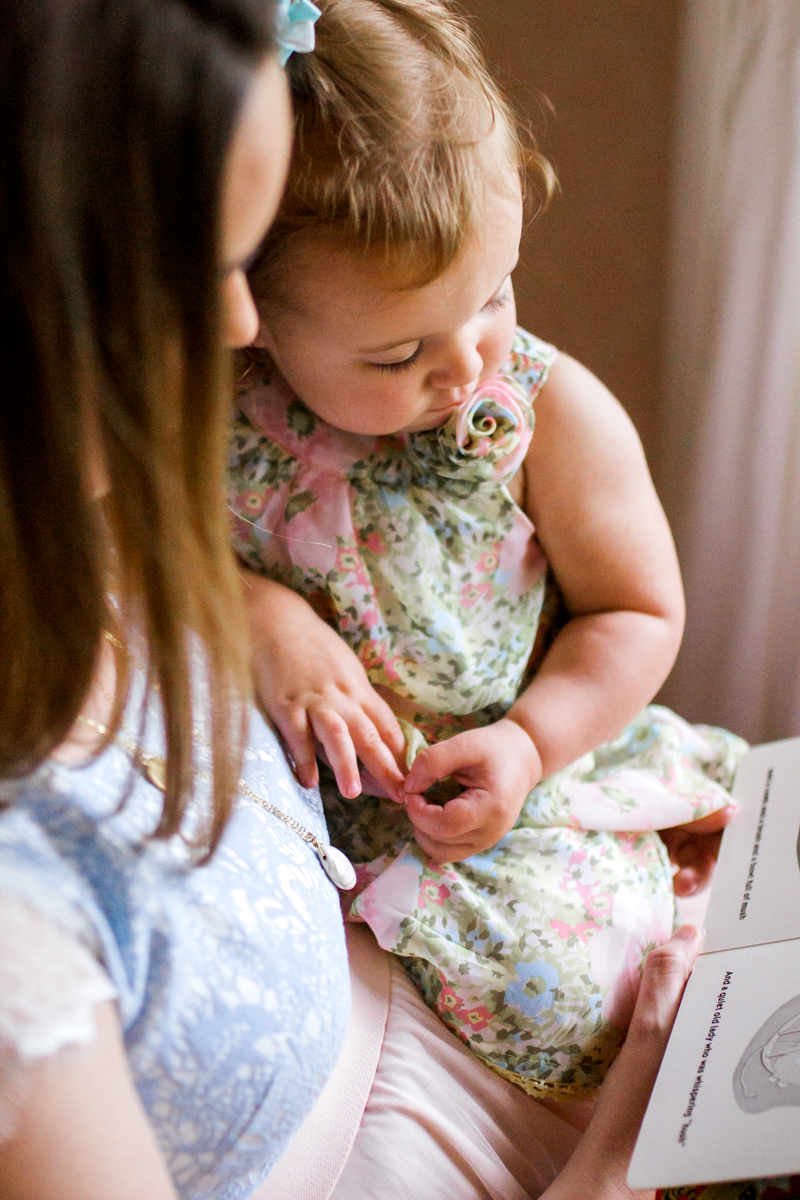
(693, 848)
(497, 766)
(313, 685)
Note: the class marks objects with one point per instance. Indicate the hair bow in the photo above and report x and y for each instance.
(296, 19)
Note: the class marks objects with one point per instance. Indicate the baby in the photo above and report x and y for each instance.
(477, 612)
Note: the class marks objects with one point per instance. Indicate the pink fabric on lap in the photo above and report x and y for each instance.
(437, 1124)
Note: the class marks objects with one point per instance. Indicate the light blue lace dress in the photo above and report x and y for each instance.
(231, 978)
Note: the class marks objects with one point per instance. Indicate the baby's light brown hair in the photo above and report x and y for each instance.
(401, 135)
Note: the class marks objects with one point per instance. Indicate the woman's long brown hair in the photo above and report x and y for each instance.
(115, 121)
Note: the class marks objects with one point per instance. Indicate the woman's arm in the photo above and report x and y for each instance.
(599, 521)
(81, 1132)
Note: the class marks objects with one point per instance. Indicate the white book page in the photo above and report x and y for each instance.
(756, 892)
(726, 1104)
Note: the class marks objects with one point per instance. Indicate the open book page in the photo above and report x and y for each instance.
(726, 1104)
(756, 892)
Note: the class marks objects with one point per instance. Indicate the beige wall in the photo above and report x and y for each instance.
(592, 276)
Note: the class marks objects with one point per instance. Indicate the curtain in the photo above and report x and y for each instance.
(728, 465)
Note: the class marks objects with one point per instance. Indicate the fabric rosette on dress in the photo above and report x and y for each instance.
(486, 439)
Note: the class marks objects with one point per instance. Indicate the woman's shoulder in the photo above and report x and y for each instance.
(529, 362)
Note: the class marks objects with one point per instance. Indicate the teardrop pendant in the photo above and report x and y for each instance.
(156, 771)
(337, 867)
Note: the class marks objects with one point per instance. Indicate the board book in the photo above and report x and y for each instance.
(726, 1103)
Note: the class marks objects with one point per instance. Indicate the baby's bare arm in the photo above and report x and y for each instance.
(599, 521)
(313, 685)
(589, 494)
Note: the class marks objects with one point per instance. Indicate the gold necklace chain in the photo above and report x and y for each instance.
(336, 865)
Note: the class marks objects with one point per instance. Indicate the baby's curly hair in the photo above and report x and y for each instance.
(400, 135)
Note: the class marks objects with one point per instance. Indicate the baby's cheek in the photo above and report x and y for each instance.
(495, 347)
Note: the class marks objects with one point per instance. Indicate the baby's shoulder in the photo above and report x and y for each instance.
(529, 362)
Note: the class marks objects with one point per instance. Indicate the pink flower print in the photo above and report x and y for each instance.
(628, 800)
(435, 892)
(251, 503)
(390, 668)
(449, 1001)
(391, 897)
(374, 543)
(580, 931)
(373, 658)
(373, 654)
(489, 561)
(369, 618)
(476, 1018)
(618, 951)
(348, 560)
(472, 592)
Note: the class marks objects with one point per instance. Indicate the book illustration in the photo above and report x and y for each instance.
(717, 1113)
(768, 1073)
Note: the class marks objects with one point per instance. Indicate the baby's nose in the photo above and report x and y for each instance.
(459, 370)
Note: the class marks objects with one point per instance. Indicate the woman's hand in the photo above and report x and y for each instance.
(313, 686)
(694, 849)
(599, 1165)
(497, 765)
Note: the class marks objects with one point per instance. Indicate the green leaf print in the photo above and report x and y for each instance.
(299, 503)
(300, 419)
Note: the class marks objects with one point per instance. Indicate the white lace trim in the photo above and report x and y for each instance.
(50, 985)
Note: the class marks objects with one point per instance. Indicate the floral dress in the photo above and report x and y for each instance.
(412, 547)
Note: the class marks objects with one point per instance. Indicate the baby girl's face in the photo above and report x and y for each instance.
(372, 360)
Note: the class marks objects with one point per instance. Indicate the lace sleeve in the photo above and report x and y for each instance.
(49, 987)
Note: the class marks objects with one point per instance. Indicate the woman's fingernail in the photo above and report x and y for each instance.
(686, 933)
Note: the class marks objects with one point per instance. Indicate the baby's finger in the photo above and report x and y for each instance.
(695, 863)
(376, 756)
(694, 848)
(445, 852)
(332, 731)
(437, 762)
(449, 824)
(295, 730)
(386, 723)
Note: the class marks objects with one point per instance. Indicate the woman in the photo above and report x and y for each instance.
(143, 149)
(172, 973)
